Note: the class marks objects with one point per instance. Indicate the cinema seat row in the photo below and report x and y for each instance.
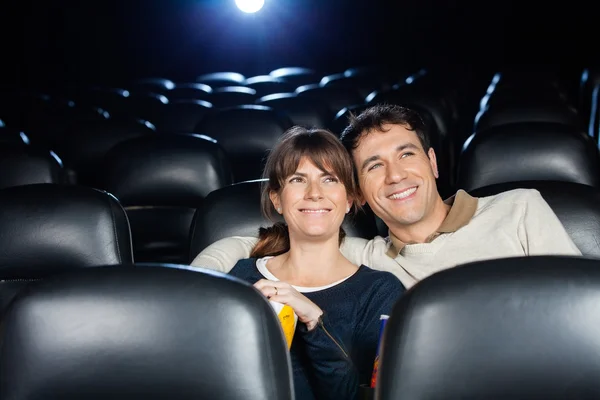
(524, 127)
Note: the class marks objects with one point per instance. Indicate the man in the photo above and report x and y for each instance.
(396, 170)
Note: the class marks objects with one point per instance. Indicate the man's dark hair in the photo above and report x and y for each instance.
(374, 118)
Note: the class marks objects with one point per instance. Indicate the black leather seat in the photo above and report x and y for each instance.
(246, 133)
(190, 91)
(235, 211)
(302, 112)
(528, 151)
(364, 84)
(83, 149)
(267, 84)
(577, 207)
(181, 116)
(555, 113)
(221, 79)
(45, 228)
(161, 180)
(231, 96)
(143, 332)
(21, 164)
(154, 85)
(296, 76)
(521, 328)
(334, 97)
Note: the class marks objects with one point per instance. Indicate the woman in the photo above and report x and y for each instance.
(299, 263)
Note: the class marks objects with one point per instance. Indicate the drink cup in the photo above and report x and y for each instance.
(287, 318)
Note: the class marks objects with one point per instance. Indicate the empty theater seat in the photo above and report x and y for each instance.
(46, 228)
(161, 180)
(267, 84)
(296, 75)
(533, 112)
(143, 333)
(518, 328)
(364, 83)
(181, 116)
(221, 79)
(45, 224)
(302, 112)
(21, 164)
(85, 146)
(246, 133)
(528, 151)
(334, 97)
(190, 91)
(235, 211)
(155, 85)
(577, 207)
(230, 96)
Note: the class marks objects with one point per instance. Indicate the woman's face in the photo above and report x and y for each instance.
(313, 202)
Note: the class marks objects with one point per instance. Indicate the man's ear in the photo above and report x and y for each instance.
(274, 196)
(433, 162)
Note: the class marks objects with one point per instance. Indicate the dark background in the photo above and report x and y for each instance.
(56, 42)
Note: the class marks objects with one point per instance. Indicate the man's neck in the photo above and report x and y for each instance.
(420, 232)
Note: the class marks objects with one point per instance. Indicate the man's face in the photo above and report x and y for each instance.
(396, 175)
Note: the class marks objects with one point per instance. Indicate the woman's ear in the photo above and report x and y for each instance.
(349, 204)
(274, 196)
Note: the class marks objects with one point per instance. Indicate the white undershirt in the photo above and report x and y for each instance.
(261, 265)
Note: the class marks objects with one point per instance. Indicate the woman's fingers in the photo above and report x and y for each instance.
(270, 289)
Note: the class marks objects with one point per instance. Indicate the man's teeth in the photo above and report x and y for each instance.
(315, 211)
(404, 194)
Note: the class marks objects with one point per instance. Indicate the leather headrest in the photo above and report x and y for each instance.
(164, 169)
(143, 332)
(517, 328)
(529, 151)
(46, 226)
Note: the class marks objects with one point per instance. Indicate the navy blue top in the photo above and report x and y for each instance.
(332, 360)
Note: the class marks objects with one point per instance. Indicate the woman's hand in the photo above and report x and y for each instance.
(281, 292)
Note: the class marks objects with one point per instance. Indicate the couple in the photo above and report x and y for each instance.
(309, 265)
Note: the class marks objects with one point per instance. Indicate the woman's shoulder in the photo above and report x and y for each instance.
(370, 276)
(245, 269)
(244, 262)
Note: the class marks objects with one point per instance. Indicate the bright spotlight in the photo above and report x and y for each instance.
(250, 6)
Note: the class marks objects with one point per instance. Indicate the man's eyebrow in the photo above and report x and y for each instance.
(370, 160)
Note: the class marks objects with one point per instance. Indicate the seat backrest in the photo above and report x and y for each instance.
(86, 145)
(21, 164)
(556, 113)
(528, 151)
(235, 211)
(577, 207)
(304, 112)
(161, 180)
(143, 332)
(519, 328)
(46, 228)
(246, 133)
(181, 116)
(47, 225)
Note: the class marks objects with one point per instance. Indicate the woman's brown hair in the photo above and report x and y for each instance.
(326, 152)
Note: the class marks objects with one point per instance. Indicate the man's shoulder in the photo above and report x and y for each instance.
(514, 196)
(362, 244)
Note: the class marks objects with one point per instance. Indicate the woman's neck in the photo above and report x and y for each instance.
(312, 263)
